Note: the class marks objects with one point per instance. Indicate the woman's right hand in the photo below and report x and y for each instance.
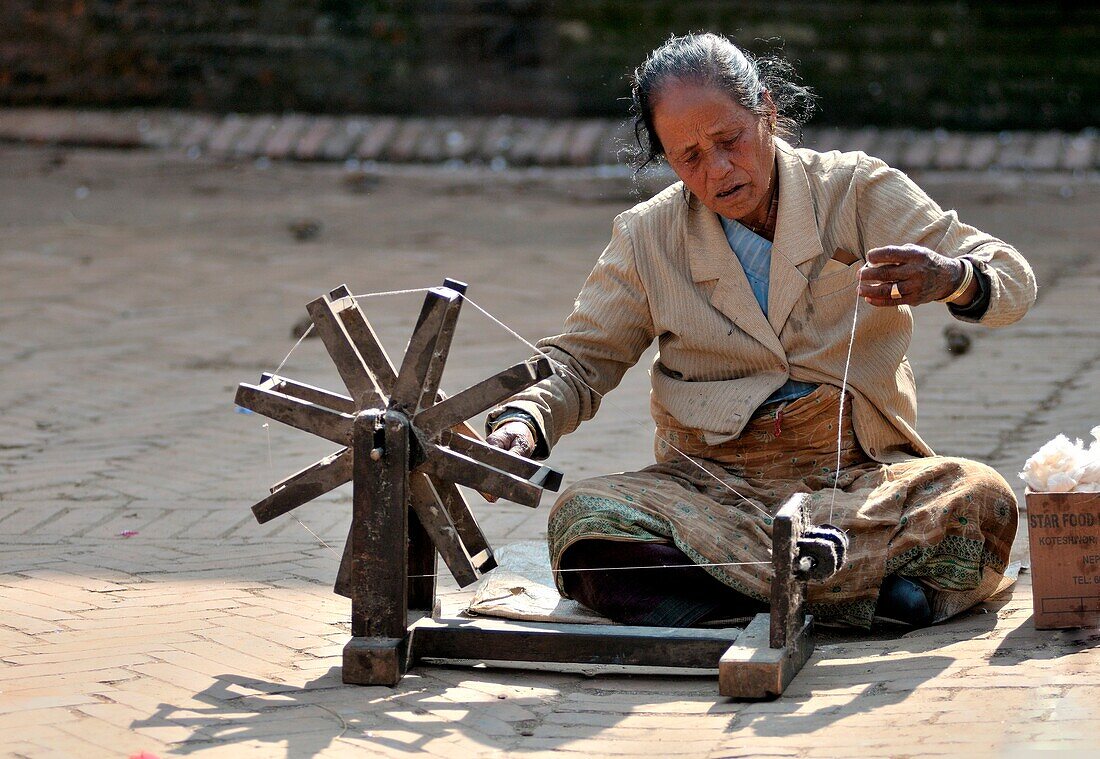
(514, 437)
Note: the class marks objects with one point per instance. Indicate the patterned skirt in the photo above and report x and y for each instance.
(948, 522)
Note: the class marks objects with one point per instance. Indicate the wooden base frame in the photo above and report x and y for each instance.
(405, 448)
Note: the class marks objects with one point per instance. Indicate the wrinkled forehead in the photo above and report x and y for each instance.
(686, 112)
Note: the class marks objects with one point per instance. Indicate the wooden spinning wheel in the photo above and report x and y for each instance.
(407, 447)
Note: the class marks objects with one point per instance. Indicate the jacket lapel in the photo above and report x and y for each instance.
(710, 257)
(796, 237)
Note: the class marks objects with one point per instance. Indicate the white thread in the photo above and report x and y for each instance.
(270, 464)
(643, 566)
(271, 474)
(319, 538)
(393, 292)
(843, 390)
(287, 356)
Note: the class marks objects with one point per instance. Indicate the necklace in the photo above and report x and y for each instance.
(767, 227)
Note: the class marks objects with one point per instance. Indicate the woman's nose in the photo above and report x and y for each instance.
(719, 162)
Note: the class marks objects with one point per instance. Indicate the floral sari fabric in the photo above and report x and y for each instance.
(948, 522)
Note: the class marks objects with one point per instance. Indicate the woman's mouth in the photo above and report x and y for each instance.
(730, 191)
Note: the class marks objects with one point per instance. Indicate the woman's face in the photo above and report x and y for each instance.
(722, 151)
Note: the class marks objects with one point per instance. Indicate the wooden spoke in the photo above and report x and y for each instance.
(321, 421)
(446, 464)
(436, 521)
(353, 371)
(342, 586)
(532, 471)
(369, 347)
(442, 348)
(409, 385)
(472, 537)
(309, 393)
(327, 474)
(422, 566)
(484, 395)
(364, 339)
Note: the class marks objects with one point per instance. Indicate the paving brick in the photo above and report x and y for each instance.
(376, 139)
(891, 145)
(111, 728)
(498, 138)
(27, 600)
(1046, 151)
(21, 520)
(586, 139)
(859, 139)
(345, 135)
(284, 137)
(1014, 150)
(528, 141)
(982, 152)
(824, 139)
(313, 140)
(251, 140)
(25, 672)
(554, 147)
(222, 137)
(1080, 152)
(920, 153)
(951, 153)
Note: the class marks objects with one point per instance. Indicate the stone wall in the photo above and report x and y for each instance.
(923, 64)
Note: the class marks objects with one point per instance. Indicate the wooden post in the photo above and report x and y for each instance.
(787, 591)
(774, 647)
(379, 542)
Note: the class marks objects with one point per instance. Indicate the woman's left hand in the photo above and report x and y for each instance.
(920, 275)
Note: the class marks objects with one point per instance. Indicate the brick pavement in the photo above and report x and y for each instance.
(130, 311)
(505, 141)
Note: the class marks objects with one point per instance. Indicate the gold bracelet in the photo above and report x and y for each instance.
(968, 277)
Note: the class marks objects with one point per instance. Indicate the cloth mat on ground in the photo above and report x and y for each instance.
(522, 587)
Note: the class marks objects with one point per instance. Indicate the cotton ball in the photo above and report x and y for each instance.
(1060, 482)
(1089, 473)
(1059, 456)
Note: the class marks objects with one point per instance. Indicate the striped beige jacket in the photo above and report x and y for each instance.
(669, 274)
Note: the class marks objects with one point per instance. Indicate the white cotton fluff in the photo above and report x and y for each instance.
(1064, 466)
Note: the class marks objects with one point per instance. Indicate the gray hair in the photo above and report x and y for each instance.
(713, 60)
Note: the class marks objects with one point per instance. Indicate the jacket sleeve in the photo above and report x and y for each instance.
(892, 210)
(609, 329)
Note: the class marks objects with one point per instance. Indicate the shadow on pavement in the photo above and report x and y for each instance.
(884, 683)
(245, 709)
(1025, 643)
(787, 716)
(308, 719)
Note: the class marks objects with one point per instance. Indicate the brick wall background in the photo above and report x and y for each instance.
(922, 64)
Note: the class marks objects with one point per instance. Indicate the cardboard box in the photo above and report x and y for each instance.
(1064, 538)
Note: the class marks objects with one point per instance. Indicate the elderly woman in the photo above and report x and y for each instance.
(750, 272)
